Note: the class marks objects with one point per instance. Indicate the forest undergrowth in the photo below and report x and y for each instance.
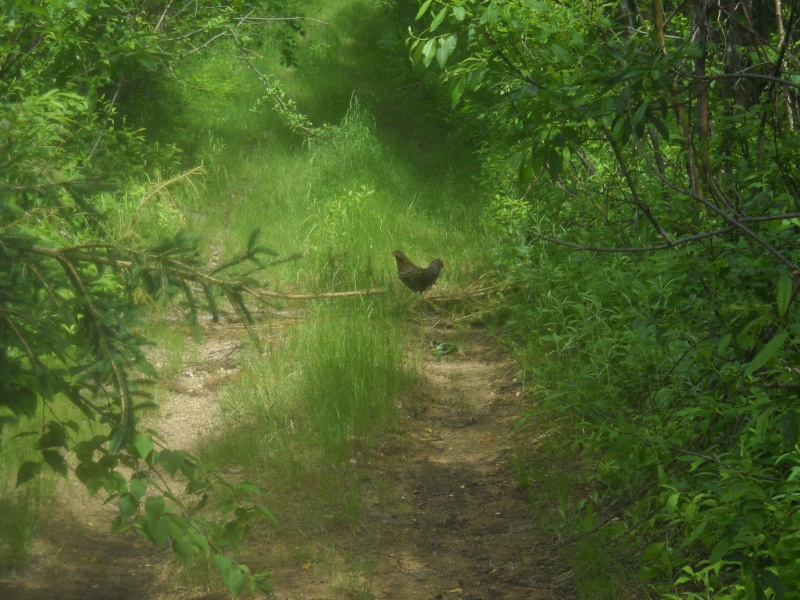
(638, 267)
(381, 170)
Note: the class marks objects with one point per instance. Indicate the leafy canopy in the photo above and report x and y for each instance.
(73, 295)
(661, 140)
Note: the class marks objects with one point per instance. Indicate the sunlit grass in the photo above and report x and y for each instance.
(326, 390)
(303, 418)
(20, 511)
(21, 507)
(392, 174)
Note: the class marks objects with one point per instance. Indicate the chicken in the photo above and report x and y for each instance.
(417, 278)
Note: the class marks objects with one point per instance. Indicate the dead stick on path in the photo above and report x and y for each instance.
(264, 293)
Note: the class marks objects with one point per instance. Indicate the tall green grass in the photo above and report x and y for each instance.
(21, 508)
(304, 418)
(353, 371)
(325, 391)
(20, 512)
(392, 173)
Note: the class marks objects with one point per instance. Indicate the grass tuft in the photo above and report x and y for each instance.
(306, 417)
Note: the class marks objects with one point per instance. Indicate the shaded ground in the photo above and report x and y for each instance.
(463, 528)
(442, 514)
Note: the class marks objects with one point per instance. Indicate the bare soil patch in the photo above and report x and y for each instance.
(464, 529)
(442, 516)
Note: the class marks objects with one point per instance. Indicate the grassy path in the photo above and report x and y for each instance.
(435, 509)
(440, 511)
(387, 468)
(460, 525)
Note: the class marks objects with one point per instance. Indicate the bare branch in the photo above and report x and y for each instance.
(744, 75)
(261, 293)
(635, 195)
(634, 249)
(105, 123)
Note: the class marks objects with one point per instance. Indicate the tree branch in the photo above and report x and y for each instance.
(261, 293)
(634, 249)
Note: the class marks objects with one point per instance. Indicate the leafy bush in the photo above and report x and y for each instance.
(648, 210)
(78, 272)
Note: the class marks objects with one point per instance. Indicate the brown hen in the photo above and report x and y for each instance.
(417, 278)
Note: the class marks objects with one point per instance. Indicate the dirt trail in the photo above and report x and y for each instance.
(76, 557)
(455, 525)
(463, 529)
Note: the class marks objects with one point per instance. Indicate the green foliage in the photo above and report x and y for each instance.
(19, 521)
(661, 150)
(351, 382)
(83, 258)
(91, 206)
(70, 317)
(306, 421)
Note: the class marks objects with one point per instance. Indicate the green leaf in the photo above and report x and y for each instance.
(672, 502)
(662, 475)
(766, 353)
(784, 293)
(418, 53)
(117, 437)
(698, 531)
(201, 503)
(555, 164)
(423, 9)
(186, 550)
(154, 506)
(439, 348)
(22, 401)
(115, 483)
(540, 6)
(621, 130)
(145, 367)
(201, 542)
(147, 61)
(653, 551)
(723, 343)
(138, 487)
(773, 581)
(143, 445)
(790, 428)
(90, 475)
(27, 471)
(55, 436)
(155, 529)
(171, 460)
(446, 47)
(29, 7)
(660, 127)
(249, 487)
(746, 338)
(128, 505)
(428, 51)
(639, 114)
(607, 105)
(231, 574)
(457, 91)
(560, 53)
(195, 486)
(459, 12)
(720, 550)
(437, 20)
(56, 462)
(262, 510)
